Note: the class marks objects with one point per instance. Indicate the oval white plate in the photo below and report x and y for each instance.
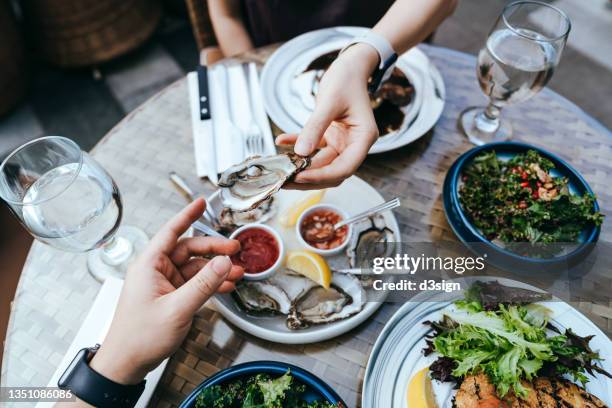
(397, 353)
(274, 328)
(289, 108)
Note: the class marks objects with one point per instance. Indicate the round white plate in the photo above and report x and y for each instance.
(274, 328)
(289, 102)
(397, 353)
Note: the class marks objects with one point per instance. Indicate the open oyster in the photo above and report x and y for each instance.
(371, 239)
(230, 219)
(260, 297)
(343, 299)
(247, 185)
(304, 302)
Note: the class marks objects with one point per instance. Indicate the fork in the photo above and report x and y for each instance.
(254, 92)
(253, 134)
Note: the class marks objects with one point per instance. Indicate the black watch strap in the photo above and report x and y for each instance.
(381, 74)
(94, 388)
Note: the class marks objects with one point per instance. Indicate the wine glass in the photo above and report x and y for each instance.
(64, 198)
(522, 50)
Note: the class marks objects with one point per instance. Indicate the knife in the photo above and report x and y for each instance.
(206, 118)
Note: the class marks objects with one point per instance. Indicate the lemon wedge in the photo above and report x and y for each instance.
(291, 215)
(420, 393)
(311, 265)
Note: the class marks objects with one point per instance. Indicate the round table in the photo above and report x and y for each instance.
(56, 291)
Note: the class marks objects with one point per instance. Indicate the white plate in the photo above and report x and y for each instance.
(289, 103)
(274, 328)
(397, 353)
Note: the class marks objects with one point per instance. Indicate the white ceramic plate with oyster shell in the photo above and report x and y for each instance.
(274, 328)
(287, 91)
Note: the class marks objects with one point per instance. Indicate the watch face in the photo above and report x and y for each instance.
(81, 355)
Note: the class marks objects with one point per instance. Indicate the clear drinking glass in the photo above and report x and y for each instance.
(522, 50)
(64, 198)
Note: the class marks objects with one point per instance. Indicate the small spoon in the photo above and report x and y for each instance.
(389, 205)
(322, 236)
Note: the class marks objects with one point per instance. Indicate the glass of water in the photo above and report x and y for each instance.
(521, 53)
(64, 198)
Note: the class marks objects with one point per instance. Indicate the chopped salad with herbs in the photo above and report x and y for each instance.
(510, 341)
(259, 391)
(520, 201)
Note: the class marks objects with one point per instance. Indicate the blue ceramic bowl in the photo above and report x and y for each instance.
(316, 389)
(497, 255)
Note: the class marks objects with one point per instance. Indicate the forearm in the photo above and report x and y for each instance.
(408, 22)
(232, 36)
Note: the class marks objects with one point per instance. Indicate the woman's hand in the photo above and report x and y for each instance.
(342, 124)
(163, 289)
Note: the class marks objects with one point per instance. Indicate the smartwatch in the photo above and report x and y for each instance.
(95, 389)
(387, 56)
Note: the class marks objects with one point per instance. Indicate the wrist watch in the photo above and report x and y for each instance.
(387, 56)
(95, 389)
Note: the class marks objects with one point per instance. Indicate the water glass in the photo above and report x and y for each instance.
(66, 199)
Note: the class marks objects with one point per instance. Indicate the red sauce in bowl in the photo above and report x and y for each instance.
(317, 229)
(259, 250)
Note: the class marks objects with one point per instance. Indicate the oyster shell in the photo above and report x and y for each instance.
(260, 297)
(371, 239)
(343, 299)
(230, 219)
(248, 184)
(303, 301)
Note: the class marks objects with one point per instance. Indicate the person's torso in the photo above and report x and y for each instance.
(270, 21)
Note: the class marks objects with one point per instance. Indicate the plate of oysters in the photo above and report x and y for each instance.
(302, 282)
(406, 105)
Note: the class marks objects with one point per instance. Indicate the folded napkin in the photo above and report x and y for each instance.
(224, 106)
(93, 330)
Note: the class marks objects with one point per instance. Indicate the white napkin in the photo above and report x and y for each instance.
(229, 149)
(93, 330)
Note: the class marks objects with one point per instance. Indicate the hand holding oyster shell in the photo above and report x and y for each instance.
(247, 188)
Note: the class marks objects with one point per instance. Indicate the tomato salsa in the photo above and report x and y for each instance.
(259, 250)
(317, 229)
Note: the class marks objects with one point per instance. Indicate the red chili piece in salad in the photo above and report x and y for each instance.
(317, 229)
(258, 250)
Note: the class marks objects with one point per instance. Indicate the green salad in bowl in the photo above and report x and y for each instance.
(261, 390)
(521, 201)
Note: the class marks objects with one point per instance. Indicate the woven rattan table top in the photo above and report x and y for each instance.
(56, 291)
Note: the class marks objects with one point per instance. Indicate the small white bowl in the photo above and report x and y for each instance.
(281, 251)
(324, 252)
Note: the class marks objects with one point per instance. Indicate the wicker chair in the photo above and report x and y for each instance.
(203, 31)
(13, 61)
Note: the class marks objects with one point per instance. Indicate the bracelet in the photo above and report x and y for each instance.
(385, 51)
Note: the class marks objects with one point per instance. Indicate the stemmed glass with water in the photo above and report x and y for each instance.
(522, 50)
(64, 198)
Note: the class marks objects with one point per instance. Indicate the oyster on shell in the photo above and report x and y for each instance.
(371, 239)
(303, 301)
(260, 297)
(343, 299)
(247, 185)
(230, 219)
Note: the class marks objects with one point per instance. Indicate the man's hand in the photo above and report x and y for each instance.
(163, 289)
(342, 124)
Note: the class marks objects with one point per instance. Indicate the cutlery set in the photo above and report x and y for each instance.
(228, 118)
